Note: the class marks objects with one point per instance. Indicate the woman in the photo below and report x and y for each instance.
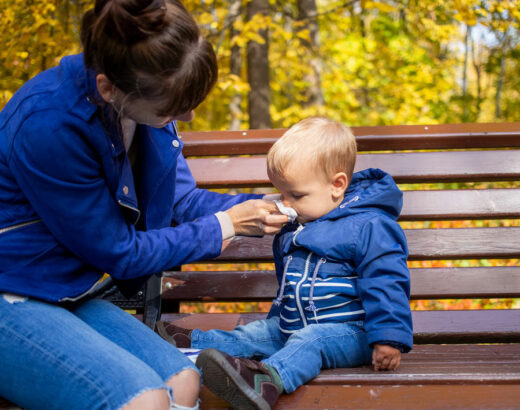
(91, 179)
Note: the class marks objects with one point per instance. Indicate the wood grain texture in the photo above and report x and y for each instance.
(442, 326)
(379, 138)
(317, 397)
(402, 397)
(426, 283)
(415, 167)
(423, 244)
(457, 204)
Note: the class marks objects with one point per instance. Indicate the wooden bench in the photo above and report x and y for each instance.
(461, 358)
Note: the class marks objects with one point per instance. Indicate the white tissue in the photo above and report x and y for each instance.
(286, 210)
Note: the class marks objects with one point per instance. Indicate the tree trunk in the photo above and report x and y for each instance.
(478, 70)
(307, 14)
(465, 113)
(235, 66)
(258, 72)
(500, 84)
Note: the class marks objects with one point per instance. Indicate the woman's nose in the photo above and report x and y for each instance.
(186, 117)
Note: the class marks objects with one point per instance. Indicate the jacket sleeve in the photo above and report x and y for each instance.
(194, 202)
(384, 283)
(60, 173)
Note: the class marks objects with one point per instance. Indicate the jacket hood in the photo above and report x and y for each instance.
(371, 190)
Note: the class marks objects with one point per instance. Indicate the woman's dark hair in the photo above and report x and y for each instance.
(150, 49)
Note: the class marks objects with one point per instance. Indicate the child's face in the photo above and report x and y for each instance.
(309, 192)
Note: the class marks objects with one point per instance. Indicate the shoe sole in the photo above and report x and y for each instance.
(161, 330)
(222, 379)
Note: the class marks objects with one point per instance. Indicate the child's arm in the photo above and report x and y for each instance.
(384, 284)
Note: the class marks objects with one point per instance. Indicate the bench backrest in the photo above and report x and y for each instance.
(418, 155)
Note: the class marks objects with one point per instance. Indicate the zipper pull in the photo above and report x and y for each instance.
(298, 230)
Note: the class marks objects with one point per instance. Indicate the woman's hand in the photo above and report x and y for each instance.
(385, 357)
(256, 217)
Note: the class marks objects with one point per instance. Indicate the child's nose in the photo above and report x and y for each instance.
(285, 202)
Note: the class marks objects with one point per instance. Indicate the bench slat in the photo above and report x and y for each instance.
(404, 167)
(380, 138)
(427, 283)
(454, 376)
(423, 244)
(402, 397)
(432, 364)
(442, 326)
(461, 204)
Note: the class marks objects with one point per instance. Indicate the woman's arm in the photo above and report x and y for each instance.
(192, 202)
(60, 173)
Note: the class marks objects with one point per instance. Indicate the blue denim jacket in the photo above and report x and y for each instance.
(348, 265)
(73, 208)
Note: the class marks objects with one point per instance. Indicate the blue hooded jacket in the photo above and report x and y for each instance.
(73, 208)
(348, 265)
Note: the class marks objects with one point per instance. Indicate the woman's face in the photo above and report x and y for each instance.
(145, 112)
(140, 110)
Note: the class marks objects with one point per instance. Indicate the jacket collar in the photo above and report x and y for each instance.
(86, 99)
(156, 157)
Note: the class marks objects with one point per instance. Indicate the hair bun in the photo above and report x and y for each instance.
(130, 21)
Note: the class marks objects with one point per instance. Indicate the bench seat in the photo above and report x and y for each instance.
(430, 376)
(430, 326)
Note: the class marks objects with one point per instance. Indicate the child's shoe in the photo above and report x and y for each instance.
(243, 383)
(177, 336)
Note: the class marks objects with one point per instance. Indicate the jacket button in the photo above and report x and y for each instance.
(175, 143)
(125, 190)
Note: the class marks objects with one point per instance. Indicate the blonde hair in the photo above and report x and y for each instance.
(328, 145)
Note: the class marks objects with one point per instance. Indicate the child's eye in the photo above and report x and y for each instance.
(298, 196)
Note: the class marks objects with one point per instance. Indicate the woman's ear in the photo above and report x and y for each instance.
(106, 89)
(339, 185)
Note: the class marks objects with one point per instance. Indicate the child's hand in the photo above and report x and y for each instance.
(385, 357)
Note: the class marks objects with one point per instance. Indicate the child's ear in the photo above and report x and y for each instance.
(339, 185)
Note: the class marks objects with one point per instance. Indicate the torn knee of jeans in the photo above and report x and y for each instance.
(9, 298)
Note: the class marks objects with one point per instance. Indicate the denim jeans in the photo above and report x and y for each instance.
(93, 356)
(297, 358)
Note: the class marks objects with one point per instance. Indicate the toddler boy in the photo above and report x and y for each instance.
(341, 267)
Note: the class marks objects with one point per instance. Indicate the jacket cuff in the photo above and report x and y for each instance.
(383, 336)
(396, 345)
(226, 225)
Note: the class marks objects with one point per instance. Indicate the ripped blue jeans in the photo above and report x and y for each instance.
(297, 358)
(93, 356)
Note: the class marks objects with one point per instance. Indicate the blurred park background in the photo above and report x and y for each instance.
(362, 62)
(359, 61)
